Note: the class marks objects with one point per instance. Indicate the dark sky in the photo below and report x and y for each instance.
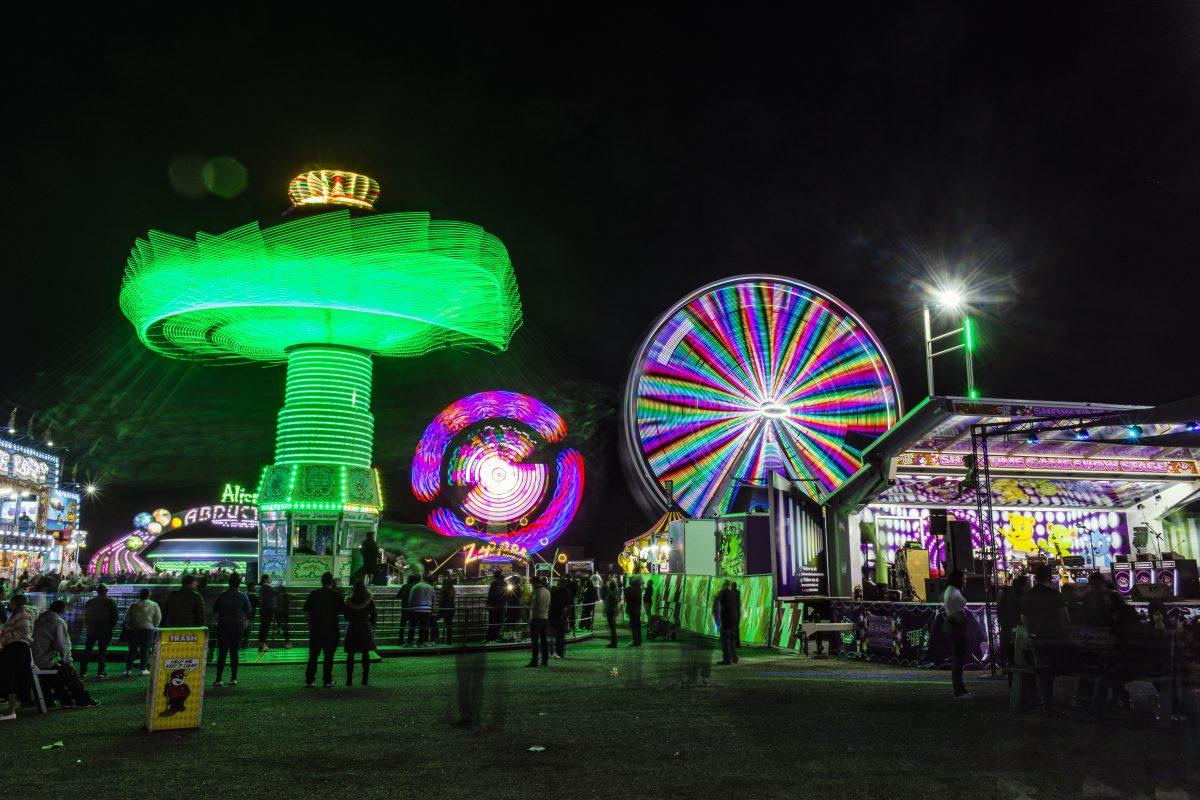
(1047, 151)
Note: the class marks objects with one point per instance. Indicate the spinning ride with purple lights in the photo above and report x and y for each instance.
(324, 292)
(747, 376)
(495, 466)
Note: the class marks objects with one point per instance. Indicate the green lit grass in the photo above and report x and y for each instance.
(775, 725)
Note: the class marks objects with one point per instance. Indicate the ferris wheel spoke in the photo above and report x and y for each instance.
(751, 375)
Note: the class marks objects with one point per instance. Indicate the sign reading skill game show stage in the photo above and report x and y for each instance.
(175, 696)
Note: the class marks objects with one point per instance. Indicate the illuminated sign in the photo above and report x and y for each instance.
(1134, 466)
(234, 493)
(226, 516)
(490, 550)
(25, 464)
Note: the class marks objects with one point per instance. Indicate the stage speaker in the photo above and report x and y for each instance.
(1152, 591)
(974, 589)
(1141, 537)
(937, 522)
(959, 553)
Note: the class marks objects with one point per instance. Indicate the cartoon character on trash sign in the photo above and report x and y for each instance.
(176, 692)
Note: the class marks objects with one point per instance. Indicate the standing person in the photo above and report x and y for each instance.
(370, 558)
(52, 651)
(1044, 615)
(560, 604)
(955, 606)
(185, 606)
(612, 607)
(588, 597)
(16, 636)
(268, 605)
(633, 607)
(141, 623)
(1008, 613)
(648, 598)
(497, 597)
(283, 614)
(447, 597)
(539, 618)
(420, 604)
(729, 612)
(406, 623)
(322, 609)
(100, 620)
(360, 630)
(234, 613)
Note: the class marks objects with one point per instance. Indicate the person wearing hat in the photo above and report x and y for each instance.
(1044, 615)
(100, 620)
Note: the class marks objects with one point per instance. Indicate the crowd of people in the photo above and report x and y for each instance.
(1124, 646)
(551, 612)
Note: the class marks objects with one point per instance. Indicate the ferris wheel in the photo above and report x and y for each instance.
(751, 375)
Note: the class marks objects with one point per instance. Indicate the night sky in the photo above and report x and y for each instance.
(1046, 153)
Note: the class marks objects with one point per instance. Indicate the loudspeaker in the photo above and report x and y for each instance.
(959, 553)
(1141, 536)
(974, 589)
(1152, 591)
(937, 522)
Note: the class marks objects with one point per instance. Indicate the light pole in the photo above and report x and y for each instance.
(950, 300)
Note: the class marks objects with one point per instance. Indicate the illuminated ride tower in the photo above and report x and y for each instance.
(324, 291)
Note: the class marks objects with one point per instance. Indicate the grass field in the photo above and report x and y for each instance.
(613, 723)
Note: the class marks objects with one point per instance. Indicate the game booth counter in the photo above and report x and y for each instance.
(1080, 487)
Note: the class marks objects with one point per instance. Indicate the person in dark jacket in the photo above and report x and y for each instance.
(370, 558)
(233, 613)
(360, 630)
(268, 603)
(283, 614)
(497, 598)
(560, 606)
(100, 619)
(406, 618)
(612, 607)
(633, 607)
(648, 598)
(587, 597)
(185, 606)
(447, 597)
(323, 608)
(1008, 611)
(730, 613)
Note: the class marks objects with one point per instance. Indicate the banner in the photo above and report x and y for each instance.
(175, 694)
(911, 634)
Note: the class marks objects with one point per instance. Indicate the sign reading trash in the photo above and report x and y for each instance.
(175, 693)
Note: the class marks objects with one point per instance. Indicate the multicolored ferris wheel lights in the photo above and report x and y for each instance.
(750, 375)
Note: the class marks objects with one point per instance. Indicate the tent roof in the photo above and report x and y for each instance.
(1108, 469)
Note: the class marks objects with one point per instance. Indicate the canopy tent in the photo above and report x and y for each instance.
(638, 549)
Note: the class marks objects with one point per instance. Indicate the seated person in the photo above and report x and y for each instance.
(52, 650)
(1044, 615)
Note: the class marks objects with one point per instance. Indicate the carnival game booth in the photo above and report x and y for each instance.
(39, 519)
(996, 487)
